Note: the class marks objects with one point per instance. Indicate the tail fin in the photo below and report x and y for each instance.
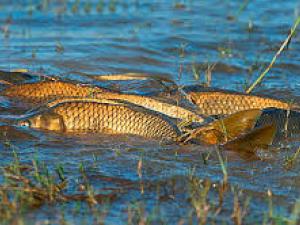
(234, 125)
(247, 144)
(226, 129)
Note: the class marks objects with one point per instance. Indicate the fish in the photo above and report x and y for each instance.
(287, 122)
(104, 116)
(221, 102)
(43, 91)
(115, 117)
(248, 144)
(171, 110)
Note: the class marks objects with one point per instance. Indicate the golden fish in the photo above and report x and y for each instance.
(113, 117)
(105, 116)
(47, 90)
(170, 110)
(222, 103)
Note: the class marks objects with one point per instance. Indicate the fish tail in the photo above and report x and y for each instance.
(259, 138)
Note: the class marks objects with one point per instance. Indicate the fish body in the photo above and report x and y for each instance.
(47, 90)
(109, 118)
(287, 122)
(151, 103)
(223, 103)
(113, 117)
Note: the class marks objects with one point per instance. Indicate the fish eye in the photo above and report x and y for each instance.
(25, 123)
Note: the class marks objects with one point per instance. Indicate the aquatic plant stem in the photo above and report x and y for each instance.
(284, 44)
(223, 166)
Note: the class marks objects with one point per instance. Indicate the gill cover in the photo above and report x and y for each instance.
(46, 121)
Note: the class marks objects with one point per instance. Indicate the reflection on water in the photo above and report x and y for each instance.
(176, 38)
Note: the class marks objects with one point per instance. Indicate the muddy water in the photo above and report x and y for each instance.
(178, 39)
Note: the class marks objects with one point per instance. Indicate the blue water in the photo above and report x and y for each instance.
(158, 37)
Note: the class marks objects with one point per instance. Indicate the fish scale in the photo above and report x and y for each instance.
(108, 118)
(44, 91)
(47, 90)
(222, 103)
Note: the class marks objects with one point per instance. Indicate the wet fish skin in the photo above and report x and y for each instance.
(287, 122)
(257, 139)
(170, 110)
(46, 90)
(89, 116)
(222, 103)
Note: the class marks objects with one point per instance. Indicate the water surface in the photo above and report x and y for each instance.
(178, 39)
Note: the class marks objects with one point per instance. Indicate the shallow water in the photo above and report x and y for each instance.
(67, 39)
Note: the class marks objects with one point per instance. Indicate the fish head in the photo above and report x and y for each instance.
(45, 121)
